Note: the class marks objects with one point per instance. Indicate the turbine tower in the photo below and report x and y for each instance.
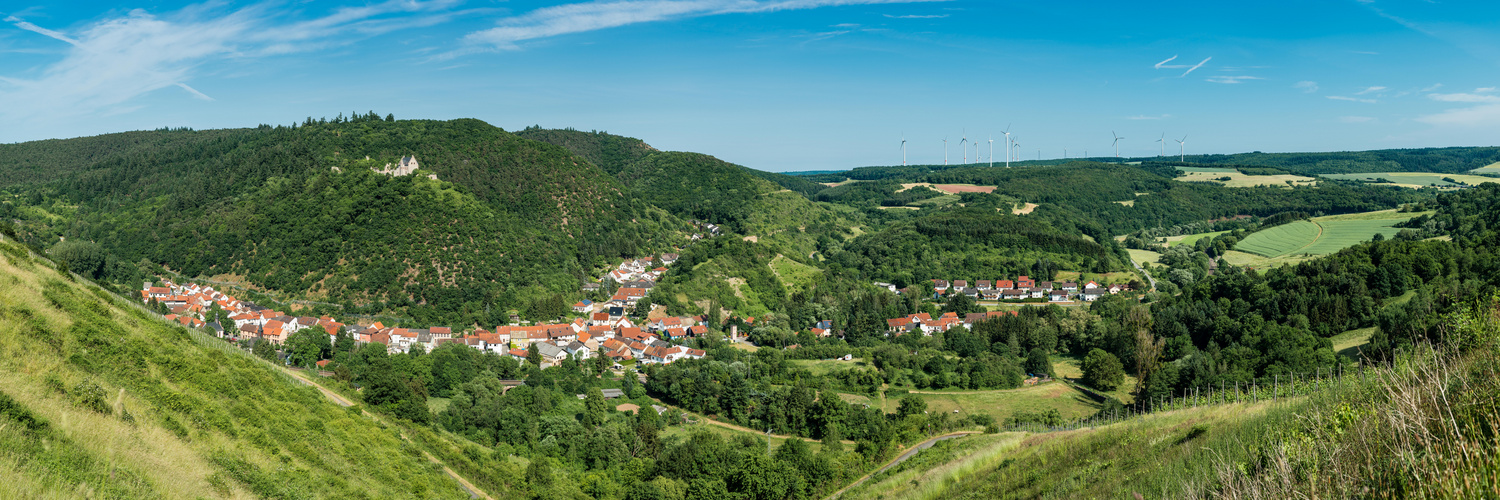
(992, 150)
(1117, 143)
(1007, 145)
(1163, 142)
(963, 144)
(945, 150)
(903, 149)
(1181, 148)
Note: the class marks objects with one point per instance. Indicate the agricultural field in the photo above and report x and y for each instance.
(1321, 235)
(1144, 256)
(1350, 342)
(1189, 239)
(1417, 179)
(1237, 179)
(1493, 168)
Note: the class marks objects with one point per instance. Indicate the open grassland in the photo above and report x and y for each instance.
(1024, 208)
(929, 470)
(1237, 179)
(793, 273)
(102, 399)
(1493, 168)
(1189, 239)
(947, 199)
(1417, 179)
(823, 366)
(1321, 235)
(1071, 401)
(1144, 256)
(1350, 343)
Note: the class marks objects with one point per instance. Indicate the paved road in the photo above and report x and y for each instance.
(902, 458)
(1143, 271)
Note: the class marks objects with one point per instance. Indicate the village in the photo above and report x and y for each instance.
(605, 330)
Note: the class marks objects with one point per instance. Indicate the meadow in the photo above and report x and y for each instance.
(1237, 179)
(1321, 235)
(1418, 179)
(1493, 168)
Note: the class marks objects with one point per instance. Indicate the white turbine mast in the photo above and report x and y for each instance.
(963, 144)
(992, 150)
(1181, 149)
(1163, 142)
(1007, 145)
(945, 150)
(1116, 143)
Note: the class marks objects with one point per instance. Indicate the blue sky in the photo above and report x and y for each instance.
(780, 84)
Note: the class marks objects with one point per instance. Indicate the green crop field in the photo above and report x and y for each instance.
(1322, 235)
(1419, 179)
(1493, 168)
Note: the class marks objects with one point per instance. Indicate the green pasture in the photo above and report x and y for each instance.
(1417, 179)
(1322, 235)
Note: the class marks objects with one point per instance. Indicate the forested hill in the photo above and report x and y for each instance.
(297, 210)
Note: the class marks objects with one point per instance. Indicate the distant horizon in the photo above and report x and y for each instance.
(812, 171)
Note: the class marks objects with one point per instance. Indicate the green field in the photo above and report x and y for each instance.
(823, 366)
(1237, 179)
(1493, 168)
(1418, 179)
(1144, 256)
(793, 273)
(1321, 235)
(1189, 239)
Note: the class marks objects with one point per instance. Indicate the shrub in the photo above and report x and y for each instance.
(89, 395)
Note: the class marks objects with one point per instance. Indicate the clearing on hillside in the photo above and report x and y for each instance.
(1418, 179)
(1322, 235)
(1233, 178)
(1493, 168)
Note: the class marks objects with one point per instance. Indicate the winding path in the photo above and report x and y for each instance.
(910, 452)
(474, 491)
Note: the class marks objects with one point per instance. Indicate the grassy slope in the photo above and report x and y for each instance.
(183, 415)
(1321, 235)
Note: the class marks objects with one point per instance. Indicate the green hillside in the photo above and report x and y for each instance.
(297, 210)
(101, 399)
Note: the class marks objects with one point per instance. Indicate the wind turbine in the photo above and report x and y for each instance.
(992, 150)
(903, 149)
(1007, 145)
(963, 145)
(1163, 142)
(945, 150)
(1116, 143)
(1181, 147)
(1016, 149)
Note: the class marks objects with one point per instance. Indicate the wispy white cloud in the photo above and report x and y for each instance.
(1307, 86)
(117, 59)
(915, 16)
(1487, 115)
(1368, 90)
(603, 14)
(1196, 66)
(1433, 87)
(1232, 79)
(1462, 97)
(1482, 90)
(1351, 99)
(38, 29)
(1163, 64)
